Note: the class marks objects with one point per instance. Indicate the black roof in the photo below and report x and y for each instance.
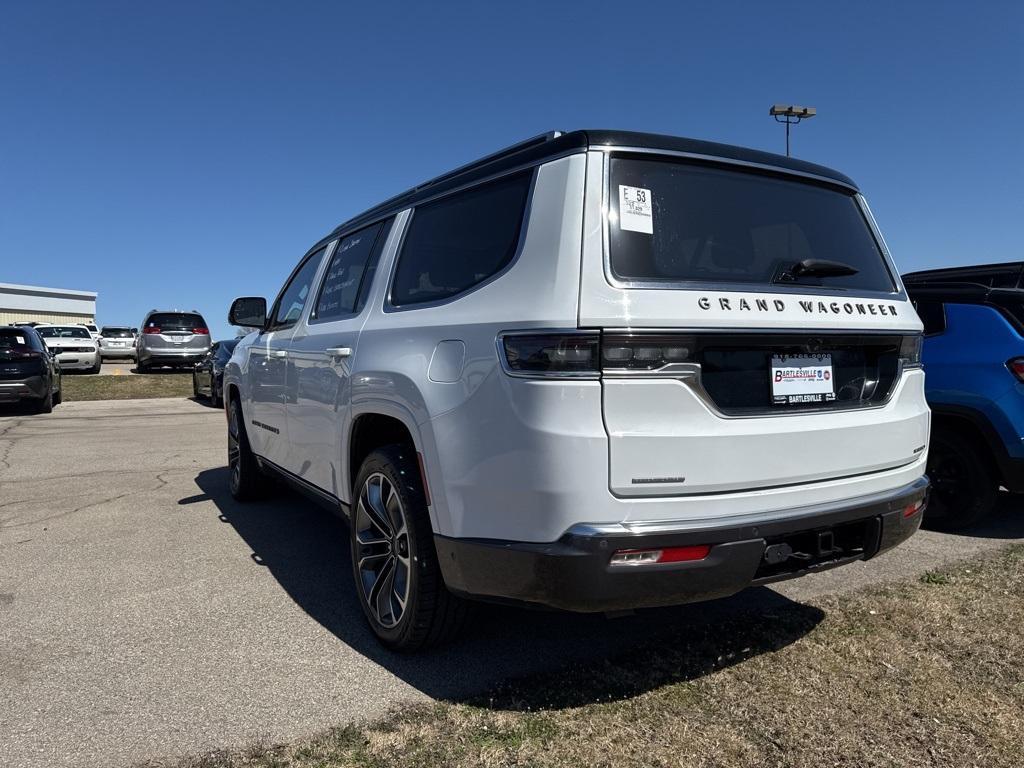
(549, 145)
(1007, 275)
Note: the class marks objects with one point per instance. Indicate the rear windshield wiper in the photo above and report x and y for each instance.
(815, 268)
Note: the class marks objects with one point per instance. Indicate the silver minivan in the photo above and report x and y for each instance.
(172, 337)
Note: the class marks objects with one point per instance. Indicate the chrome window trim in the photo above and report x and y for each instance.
(727, 287)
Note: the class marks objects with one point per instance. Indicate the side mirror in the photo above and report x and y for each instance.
(250, 311)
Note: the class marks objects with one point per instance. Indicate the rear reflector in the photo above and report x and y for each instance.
(665, 555)
(151, 329)
(912, 509)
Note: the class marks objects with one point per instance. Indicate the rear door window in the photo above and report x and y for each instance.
(352, 266)
(673, 222)
(460, 241)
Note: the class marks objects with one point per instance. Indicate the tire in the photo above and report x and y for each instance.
(393, 552)
(58, 397)
(247, 482)
(99, 365)
(964, 489)
(44, 404)
(141, 367)
(216, 397)
(195, 387)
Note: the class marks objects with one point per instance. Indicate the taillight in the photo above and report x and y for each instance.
(910, 351)
(626, 557)
(151, 329)
(551, 354)
(645, 352)
(1016, 366)
(201, 331)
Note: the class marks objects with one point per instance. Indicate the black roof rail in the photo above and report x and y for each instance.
(1009, 274)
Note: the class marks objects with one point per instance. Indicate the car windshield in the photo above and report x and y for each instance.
(115, 333)
(676, 222)
(63, 332)
(12, 339)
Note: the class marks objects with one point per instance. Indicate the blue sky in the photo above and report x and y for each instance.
(183, 153)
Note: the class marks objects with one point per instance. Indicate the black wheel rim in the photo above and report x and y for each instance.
(383, 558)
(234, 449)
(951, 484)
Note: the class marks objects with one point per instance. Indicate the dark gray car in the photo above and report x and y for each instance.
(172, 337)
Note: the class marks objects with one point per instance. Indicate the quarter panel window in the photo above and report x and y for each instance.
(352, 266)
(289, 305)
(460, 241)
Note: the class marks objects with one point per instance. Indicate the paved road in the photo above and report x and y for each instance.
(143, 613)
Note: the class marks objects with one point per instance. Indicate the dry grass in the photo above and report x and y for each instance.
(922, 674)
(126, 387)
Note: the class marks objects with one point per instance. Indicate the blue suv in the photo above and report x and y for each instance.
(974, 364)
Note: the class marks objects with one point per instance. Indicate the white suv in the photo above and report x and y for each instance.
(595, 371)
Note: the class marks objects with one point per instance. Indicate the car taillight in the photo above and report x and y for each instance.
(910, 351)
(663, 555)
(551, 354)
(643, 352)
(201, 331)
(1016, 366)
(151, 329)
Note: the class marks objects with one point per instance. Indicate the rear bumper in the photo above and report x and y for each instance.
(117, 352)
(12, 390)
(574, 573)
(172, 357)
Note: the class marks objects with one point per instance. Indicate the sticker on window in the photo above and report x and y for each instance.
(635, 212)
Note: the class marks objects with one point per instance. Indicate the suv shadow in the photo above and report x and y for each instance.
(508, 657)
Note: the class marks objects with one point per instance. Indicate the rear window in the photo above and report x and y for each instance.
(63, 332)
(176, 321)
(460, 241)
(115, 333)
(675, 222)
(12, 339)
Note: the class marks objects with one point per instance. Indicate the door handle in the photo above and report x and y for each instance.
(279, 353)
(339, 351)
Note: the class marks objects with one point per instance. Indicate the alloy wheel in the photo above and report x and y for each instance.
(382, 538)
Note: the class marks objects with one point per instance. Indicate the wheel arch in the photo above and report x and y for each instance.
(380, 424)
(972, 425)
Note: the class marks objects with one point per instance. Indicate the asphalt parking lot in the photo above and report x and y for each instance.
(143, 613)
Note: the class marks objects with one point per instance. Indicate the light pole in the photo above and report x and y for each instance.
(791, 114)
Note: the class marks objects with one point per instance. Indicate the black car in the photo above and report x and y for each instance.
(28, 370)
(208, 376)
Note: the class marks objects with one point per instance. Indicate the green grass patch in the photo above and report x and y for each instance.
(126, 387)
(899, 675)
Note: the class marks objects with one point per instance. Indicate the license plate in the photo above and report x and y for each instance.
(798, 379)
(117, 343)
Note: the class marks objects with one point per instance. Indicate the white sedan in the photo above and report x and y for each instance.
(73, 345)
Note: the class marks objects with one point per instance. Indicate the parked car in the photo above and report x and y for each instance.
(974, 358)
(172, 337)
(208, 376)
(93, 330)
(117, 341)
(75, 349)
(28, 371)
(596, 371)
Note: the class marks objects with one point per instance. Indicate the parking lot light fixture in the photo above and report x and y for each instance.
(790, 114)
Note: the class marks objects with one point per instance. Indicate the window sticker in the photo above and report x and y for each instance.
(635, 213)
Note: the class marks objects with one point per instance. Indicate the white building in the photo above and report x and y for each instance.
(31, 303)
